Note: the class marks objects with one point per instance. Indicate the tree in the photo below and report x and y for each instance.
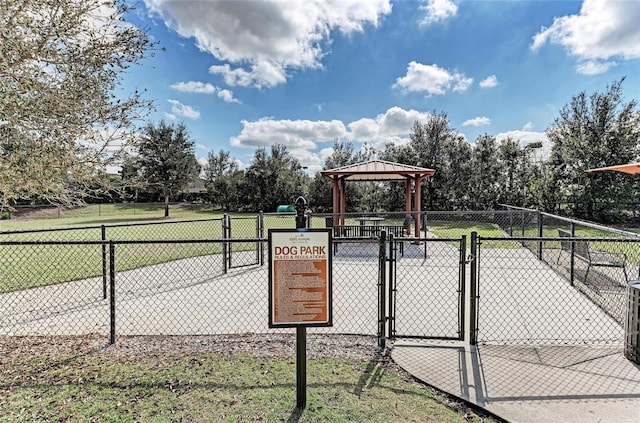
(594, 131)
(513, 172)
(341, 155)
(485, 179)
(166, 162)
(456, 170)
(274, 179)
(428, 142)
(221, 173)
(60, 119)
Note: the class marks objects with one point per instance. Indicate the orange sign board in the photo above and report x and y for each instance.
(300, 278)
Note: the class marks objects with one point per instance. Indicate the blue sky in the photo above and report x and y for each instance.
(245, 74)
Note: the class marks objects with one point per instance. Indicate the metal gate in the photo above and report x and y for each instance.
(242, 246)
(425, 287)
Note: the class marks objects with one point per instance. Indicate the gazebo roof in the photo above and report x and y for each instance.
(377, 170)
(631, 168)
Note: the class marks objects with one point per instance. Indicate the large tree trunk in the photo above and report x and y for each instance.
(166, 206)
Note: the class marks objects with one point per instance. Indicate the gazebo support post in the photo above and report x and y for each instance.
(343, 200)
(418, 201)
(378, 170)
(407, 196)
(336, 201)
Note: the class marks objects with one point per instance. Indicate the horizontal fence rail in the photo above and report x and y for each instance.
(169, 287)
(560, 298)
(534, 277)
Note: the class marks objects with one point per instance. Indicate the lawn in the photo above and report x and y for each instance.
(28, 265)
(122, 386)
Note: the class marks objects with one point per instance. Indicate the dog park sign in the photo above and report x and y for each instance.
(300, 278)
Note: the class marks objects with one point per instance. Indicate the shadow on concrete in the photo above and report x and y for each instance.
(530, 383)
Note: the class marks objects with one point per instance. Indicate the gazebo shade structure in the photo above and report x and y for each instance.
(631, 168)
(377, 170)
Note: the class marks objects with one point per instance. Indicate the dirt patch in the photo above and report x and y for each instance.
(139, 347)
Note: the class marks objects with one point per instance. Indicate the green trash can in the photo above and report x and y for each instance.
(632, 324)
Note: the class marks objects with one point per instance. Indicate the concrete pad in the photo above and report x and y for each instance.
(530, 383)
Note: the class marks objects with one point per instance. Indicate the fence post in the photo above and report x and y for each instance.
(261, 236)
(258, 243)
(391, 282)
(540, 232)
(473, 311)
(510, 222)
(462, 294)
(572, 258)
(224, 243)
(112, 286)
(103, 234)
(381, 284)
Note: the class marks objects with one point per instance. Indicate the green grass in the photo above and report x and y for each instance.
(28, 266)
(631, 250)
(457, 229)
(213, 388)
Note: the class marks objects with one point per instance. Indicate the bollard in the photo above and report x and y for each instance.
(632, 324)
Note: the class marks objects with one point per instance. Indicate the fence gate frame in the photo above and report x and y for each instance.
(227, 245)
(387, 274)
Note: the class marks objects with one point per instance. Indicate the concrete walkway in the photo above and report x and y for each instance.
(533, 382)
(530, 383)
(547, 374)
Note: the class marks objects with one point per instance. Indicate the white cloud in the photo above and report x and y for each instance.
(432, 80)
(264, 40)
(294, 134)
(227, 96)
(489, 82)
(196, 87)
(325, 153)
(527, 126)
(602, 30)
(593, 67)
(461, 83)
(308, 159)
(477, 121)
(393, 126)
(179, 109)
(524, 138)
(438, 11)
(261, 75)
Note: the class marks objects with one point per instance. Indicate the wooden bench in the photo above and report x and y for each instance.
(582, 251)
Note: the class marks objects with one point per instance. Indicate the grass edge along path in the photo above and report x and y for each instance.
(31, 266)
(149, 385)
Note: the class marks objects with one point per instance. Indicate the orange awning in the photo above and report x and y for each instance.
(631, 168)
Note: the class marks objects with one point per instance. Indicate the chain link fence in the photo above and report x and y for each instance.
(208, 276)
(427, 288)
(526, 300)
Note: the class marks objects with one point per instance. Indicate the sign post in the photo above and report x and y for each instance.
(300, 288)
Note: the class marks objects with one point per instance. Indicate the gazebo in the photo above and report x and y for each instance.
(378, 170)
(631, 168)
